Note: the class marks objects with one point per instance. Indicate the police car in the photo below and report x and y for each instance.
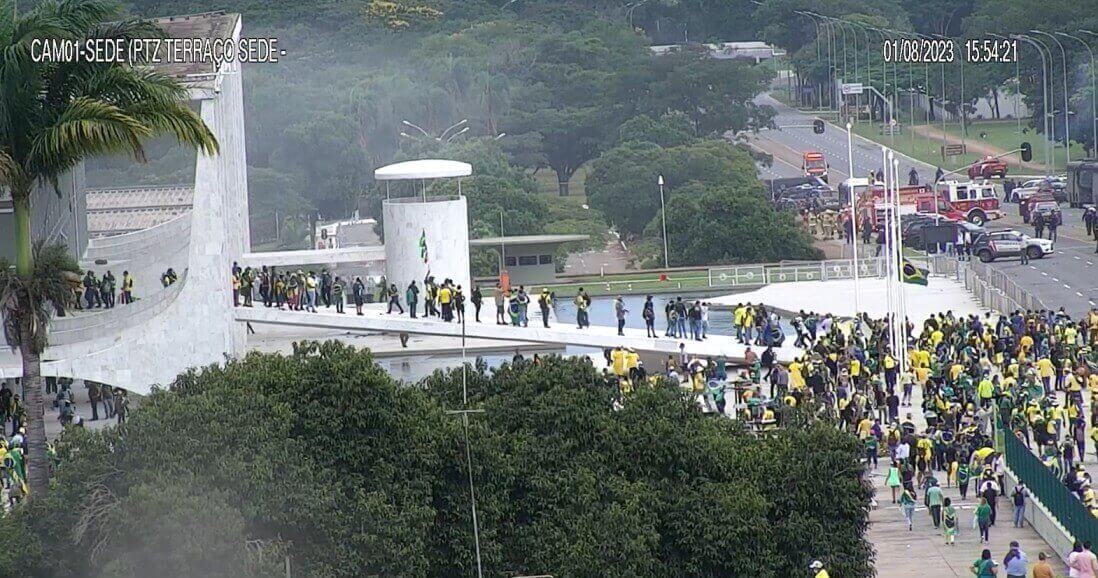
(995, 244)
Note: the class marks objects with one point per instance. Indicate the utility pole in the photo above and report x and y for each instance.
(1093, 92)
(1067, 107)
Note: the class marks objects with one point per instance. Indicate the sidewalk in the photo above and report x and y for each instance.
(918, 553)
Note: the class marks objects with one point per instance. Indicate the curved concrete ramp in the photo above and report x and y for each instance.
(196, 327)
(375, 319)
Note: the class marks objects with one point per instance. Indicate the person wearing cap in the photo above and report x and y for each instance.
(1016, 563)
(819, 568)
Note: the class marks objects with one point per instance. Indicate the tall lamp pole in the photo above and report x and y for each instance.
(1067, 108)
(663, 217)
(1044, 95)
(853, 217)
(1093, 92)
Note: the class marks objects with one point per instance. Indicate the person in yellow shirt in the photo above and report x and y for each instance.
(1026, 342)
(445, 299)
(818, 567)
(936, 337)
(955, 371)
(796, 379)
(921, 375)
(617, 361)
(986, 390)
(1046, 371)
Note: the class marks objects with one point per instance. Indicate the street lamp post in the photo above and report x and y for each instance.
(663, 217)
(1044, 95)
(830, 58)
(1067, 108)
(853, 216)
(1093, 95)
(1050, 79)
(816, 41)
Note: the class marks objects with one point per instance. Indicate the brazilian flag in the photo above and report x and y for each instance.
(912, 274)
(423, 245)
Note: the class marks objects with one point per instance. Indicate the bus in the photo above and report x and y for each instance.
(1081, 189)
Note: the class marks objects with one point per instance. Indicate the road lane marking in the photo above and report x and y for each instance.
(1079, 293)
(1066, 286)
(1033, 267)
(1055, 279)
(1044, 273)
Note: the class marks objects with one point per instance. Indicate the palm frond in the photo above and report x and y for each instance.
(178, 120)
(80, 16)
(8, 168)
(85, 128)
(48, 290)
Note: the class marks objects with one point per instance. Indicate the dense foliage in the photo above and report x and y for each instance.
(321, 457)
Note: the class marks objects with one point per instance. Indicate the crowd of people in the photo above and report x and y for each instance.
(1034, 373)
(100, 292)
(106, 401)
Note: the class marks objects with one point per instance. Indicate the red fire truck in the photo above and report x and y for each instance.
(977, 202)
(814, 165)
(913, 199)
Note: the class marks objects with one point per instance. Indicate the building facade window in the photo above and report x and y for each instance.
(545, 259)
(528, 260)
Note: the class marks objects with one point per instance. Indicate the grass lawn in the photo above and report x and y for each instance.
(632, 283)
(547, 182)
(999, 134)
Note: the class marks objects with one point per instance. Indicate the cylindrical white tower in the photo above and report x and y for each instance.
(426, 235)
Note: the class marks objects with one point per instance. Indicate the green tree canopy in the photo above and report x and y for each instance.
(622, 182)
(322, 457)
(726, 224)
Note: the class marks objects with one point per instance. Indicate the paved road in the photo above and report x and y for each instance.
(1067, 279)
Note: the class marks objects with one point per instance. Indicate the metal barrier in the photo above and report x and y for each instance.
(757, 275)
(1046, 488)
(993, 289)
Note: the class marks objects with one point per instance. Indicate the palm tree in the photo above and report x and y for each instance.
(53, 115)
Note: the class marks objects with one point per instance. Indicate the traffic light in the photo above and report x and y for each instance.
(818, 126)
(1027, 152)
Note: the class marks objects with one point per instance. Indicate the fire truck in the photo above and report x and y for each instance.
(913, 199)
(814, 165)
(978, 203)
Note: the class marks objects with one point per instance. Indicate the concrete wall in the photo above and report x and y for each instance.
(445, 221)
(531, 274)
(196, 328)
(54, 218)
(1040, 519)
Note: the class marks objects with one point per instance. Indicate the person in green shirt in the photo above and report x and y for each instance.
(949, 521)
(983, 519)
(985, 567)
(934, 501)
(907, 505)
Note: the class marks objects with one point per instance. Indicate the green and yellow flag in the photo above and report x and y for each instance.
(423, 245)
(912, 274)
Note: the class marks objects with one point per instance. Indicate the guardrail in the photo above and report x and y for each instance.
(993, 289)
(756, 275)
(1049, 490)
(100, 323)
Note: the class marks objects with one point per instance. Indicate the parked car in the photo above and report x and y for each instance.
(996, 244)
(1046, 208)
(911, 228)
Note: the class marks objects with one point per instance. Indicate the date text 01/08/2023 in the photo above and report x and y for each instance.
(944, 50)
